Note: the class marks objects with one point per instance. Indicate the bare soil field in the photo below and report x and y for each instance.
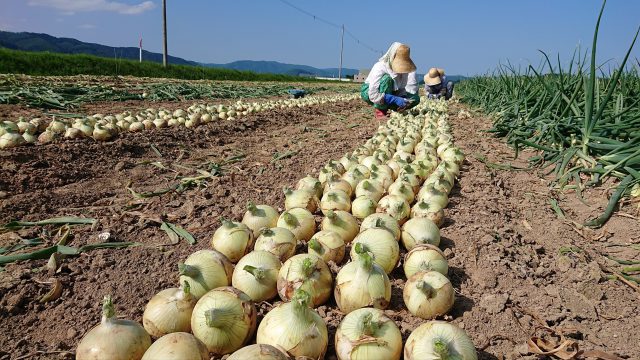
(519, 269)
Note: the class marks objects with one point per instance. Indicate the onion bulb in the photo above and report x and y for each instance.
(342, 223)
(383, 221)
(429, 211)
(11, 139)
(337, 183)
(368, 334)
(432, 196)
(279, 241)
(402, 189)
(381, 244)
(307, 272)
(370, 188)
(258, 352)
(425, 257)
(224, 319)
(233, 239)
(300, 199)
(113, 339)
(205, 270)
(362, 283)
(420, 231)
(363, 206)
(327, 245)
(177, 346)
(256, 275)
(258, 217)
(439, 340)
(295, 328)
(299, 221)
(310, 184)
(169, 311)
(335, 200)
(355, 175)
(395, 206)
(428, 294)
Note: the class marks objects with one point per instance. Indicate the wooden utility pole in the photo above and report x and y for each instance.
(341, 50)
(164, 33)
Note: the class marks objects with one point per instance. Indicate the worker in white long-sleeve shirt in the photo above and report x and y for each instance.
(392, 82)
(436, 85)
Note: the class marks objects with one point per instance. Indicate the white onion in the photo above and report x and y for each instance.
(368, 334)
(256, 275)
(425, 257)
(177, 346)
(224, 319)
(233, 239)
(279, 241)
(420, 231)
(381, 244)
(428, 294)
(439, 340)
(307, 272)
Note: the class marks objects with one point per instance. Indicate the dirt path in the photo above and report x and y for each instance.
(502, 239)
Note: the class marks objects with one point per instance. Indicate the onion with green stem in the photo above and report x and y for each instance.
(299, 221)
(205, 270)
(342, 223)
(309, 273)
(428, 294)
(429, 194)
(304, 199)
(256, 274)
(169, 311)
(362, 283)
(177, 346)
(279, 241)
(327, 245)
(418, 231)
(259, 216)
(224, 319)
(368, 334)
(335, 200)
(395, 206)
(113, 339)
(337, 183)
(233, 239)
(355, 175)
(370, 188)
(363, 206)
(433, 212)
(384, 179)
(310, 184)
(295, 328)
(402, 189)
(425, 257)
(381, 244)
(439, 340)
(383, 221)
(258, 352)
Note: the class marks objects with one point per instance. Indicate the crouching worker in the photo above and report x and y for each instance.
(392, 83)
(436, 85)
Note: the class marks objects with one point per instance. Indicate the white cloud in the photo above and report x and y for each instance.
(70, 7)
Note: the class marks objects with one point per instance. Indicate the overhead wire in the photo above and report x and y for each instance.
(332, 24)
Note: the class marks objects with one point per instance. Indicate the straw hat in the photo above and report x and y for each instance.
(402, 62)
(433, 77)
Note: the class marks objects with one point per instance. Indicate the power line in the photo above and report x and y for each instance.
(332, 24)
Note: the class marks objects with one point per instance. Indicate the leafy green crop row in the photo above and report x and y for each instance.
(585, 122)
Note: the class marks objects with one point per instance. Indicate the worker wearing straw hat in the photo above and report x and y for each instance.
(436, 85)
(392, 82)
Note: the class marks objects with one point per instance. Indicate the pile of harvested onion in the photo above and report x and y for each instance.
(102, 127)
(390, 191)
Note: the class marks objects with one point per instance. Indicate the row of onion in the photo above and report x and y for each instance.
(103, 127)
(392, 189)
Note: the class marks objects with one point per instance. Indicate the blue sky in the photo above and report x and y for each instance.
(464, 36)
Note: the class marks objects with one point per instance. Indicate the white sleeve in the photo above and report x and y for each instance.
(374, 84)
(412, 83)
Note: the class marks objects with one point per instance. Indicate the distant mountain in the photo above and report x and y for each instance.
(42, 42)
(275, 67)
